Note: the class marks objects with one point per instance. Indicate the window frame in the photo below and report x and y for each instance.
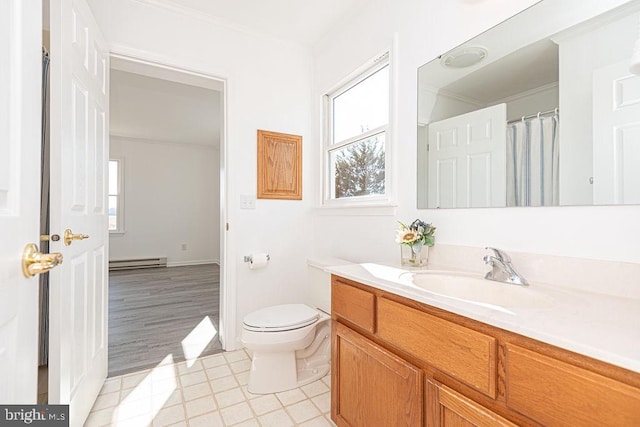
(328, 145)
(120, 197)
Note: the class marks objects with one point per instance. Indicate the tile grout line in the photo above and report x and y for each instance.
(247, 399)
(213, 393)
(182, 398)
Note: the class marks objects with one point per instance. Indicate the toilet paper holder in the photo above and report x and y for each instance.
(249, 258)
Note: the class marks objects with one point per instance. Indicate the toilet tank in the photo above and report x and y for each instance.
(319, 282)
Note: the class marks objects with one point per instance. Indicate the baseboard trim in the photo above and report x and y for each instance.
(196, 262)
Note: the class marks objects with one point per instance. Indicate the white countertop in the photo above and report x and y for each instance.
(600, 326)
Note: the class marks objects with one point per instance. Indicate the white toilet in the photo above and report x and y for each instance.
(291, 343)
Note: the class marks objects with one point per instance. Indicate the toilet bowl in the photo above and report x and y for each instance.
(291, 343)
(292, 351)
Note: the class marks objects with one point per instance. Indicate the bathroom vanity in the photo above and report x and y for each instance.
(403, 355)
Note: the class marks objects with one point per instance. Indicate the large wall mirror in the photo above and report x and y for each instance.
(541, 110)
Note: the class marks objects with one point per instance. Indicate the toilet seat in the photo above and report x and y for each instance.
(280, 318)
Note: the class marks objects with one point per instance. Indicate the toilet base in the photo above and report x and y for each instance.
(276, 372)
(272, 372)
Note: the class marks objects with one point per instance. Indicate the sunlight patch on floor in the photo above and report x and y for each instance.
(148, 397)
(212, 392)
(198, 339)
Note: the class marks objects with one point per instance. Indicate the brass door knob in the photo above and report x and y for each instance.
(69, 237)
(35, 262)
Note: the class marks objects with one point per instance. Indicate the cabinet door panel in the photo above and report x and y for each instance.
(456, 410)
(371, 386)
(465, 354)
(353, 304)
(559, 394)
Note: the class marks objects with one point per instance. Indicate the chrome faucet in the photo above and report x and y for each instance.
(501, 268)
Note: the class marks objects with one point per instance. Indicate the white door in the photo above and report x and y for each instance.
(79, 157)
(616, 135)
(20, 68)
(467, 159)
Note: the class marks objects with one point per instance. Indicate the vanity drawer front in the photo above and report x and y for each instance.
(460, 352)
(353, 304)
(555, 393)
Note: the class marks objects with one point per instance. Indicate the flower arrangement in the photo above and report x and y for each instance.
(415, 236)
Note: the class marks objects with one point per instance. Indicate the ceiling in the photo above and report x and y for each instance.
(522, 53)
(302, 21)
(173, 108)
(526, 69)
(161, 110)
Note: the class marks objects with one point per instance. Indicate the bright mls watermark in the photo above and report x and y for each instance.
(36, 415)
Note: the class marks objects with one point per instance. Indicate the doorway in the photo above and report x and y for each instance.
(206, 334)
(166, 208)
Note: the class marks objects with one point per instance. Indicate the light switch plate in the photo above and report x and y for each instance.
(247, 202)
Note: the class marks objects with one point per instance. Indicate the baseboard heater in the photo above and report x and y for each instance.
(128, 264)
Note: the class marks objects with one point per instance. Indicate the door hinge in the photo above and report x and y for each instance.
(227, 226)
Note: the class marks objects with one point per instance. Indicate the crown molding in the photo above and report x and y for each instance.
(527, 93)
(173, 7)
(162, 141)
(462, 98)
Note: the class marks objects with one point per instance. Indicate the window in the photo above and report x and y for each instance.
(356, 146)
(115, 196)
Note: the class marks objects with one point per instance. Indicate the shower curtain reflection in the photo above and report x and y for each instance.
(532, 161)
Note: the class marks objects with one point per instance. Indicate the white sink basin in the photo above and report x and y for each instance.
(474, 288)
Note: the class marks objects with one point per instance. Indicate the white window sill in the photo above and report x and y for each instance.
(355, 209)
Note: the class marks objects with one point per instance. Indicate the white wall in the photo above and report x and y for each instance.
(580, 55)
(422, 30)
(268, 87)
(171, 197)
(537, 100)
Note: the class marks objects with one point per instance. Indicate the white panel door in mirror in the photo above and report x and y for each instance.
(467, 160)
(616, 146)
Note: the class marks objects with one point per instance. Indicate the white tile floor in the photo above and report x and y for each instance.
(210, 392)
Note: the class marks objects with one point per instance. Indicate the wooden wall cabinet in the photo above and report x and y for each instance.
(398, 362)
(279, 166)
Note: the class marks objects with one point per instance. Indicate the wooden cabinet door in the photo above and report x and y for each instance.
(556, 393)
(353, 304)
(371, 386)
(453, 349)
(447, 408)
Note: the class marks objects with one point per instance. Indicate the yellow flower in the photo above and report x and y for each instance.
(406, 236)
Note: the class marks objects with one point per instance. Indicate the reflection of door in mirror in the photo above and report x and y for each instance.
(548, 57)
(467, 159)
(616, 135)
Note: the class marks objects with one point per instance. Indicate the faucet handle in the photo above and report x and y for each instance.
(502, 256)
(490, 259)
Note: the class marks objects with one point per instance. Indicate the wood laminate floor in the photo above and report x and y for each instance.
(157, 313)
